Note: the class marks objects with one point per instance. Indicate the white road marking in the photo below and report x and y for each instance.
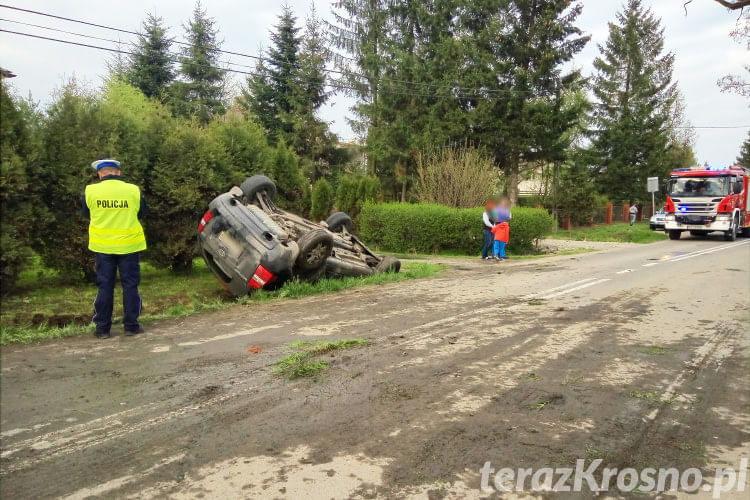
(708, 250)
(650, 264)
(624, 271)
(531, 296)
(579, 287)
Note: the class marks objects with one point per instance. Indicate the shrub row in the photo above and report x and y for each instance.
(430, 228)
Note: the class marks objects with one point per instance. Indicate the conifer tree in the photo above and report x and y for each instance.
(151, 64)
(201, 94)
(744, 157)
(635, 98)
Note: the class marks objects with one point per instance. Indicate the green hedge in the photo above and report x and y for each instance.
(430, 228)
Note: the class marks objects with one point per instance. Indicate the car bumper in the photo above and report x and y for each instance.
(718, 225)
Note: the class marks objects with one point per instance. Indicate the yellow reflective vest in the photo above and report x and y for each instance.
(114, 226)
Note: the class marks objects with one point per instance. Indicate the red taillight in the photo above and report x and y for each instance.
(206, 217)
(261, 278)
(669, 206)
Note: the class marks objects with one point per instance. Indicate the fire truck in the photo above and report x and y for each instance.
(706, 199)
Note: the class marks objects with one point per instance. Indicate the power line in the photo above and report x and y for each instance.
(230, 70)
(468, 91)
(83, 35)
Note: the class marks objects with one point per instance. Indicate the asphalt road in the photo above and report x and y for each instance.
(639, 355)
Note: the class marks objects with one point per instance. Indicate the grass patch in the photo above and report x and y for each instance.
(573, 381)
(653, 350)
(49, 306)
(303, 363)
(531, 376)
(621, 232)
(651, 398)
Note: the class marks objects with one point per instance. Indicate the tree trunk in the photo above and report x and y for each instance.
(403, 191)
(513, 176)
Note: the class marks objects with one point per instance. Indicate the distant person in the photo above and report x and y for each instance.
(488, 222)
(501, 231)
(633, 213)
(116, 237)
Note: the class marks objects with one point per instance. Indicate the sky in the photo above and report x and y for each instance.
(700, 41)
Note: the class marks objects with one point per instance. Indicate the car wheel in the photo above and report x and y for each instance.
(388, 265)
(338, 221)
(674, 235)
(314, 248)
(731, 235)
(338, 268)
(256, 184)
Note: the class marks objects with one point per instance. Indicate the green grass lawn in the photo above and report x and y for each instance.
(621, 232)
(46, 305)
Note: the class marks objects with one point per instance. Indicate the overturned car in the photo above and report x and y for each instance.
(249, 243)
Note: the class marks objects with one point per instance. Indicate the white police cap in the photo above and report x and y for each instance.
(100, 164)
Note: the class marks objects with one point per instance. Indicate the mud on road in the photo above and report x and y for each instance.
(465, 368)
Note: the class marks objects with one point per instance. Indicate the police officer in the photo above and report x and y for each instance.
(116, 237)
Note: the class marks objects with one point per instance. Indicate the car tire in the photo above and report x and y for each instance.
(338, 221)
(731, 235)
(674, 235)
(652, 227)
(257, 183)
(314, 248)
(338, 268)
(388, 265)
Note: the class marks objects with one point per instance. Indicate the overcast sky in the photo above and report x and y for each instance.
(700, 41)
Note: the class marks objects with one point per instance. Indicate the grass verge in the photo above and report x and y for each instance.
(47, 306)
(621, 232)
(302, 363)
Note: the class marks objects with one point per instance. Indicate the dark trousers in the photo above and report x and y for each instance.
(130, 276)
(487, 248)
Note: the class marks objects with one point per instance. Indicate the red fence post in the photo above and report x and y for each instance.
(626, 212)
(608, 216)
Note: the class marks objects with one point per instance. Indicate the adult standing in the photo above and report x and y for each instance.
(633, 213)
(116, 236)
(488, 222)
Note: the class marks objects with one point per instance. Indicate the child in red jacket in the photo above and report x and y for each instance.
(502, 233)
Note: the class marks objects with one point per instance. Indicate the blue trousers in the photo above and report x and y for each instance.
(499, 250)
(487, 243)
(130, 277)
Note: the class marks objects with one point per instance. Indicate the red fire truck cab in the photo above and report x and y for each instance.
(706, 199)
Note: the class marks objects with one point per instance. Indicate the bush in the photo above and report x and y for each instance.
(457, 177)
(353, 191)
(290, 190)
(193, 168)
(322, 200)
(18, 165)
(431, 228)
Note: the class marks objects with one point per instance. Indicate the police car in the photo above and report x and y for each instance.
(656, 222)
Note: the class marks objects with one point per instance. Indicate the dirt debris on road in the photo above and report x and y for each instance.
(457, 371)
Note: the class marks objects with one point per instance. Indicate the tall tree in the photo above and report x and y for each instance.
(272, 89)
(744, 157)
(635, 99)
(151, 63)
(201, 94)
(312, 140)
(515, 58)
(738, 83)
